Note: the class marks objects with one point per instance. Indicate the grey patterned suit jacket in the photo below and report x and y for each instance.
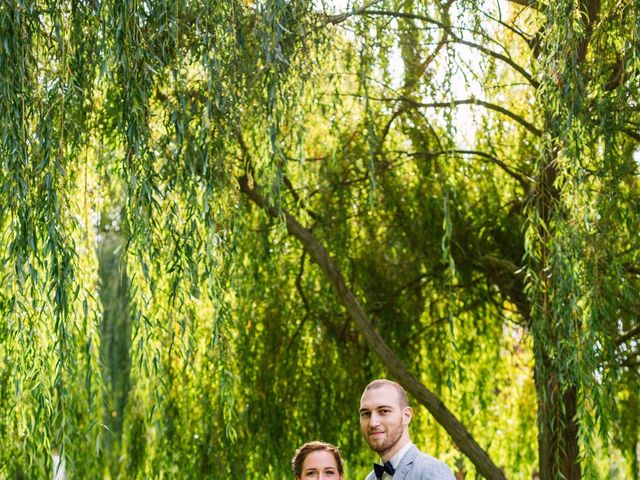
(416, 465)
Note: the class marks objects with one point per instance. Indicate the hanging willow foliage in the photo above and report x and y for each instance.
(576, 282)
(220, 220)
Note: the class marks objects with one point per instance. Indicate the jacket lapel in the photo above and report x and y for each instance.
(403, 469)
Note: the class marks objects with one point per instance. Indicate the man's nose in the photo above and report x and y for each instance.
(374, 420)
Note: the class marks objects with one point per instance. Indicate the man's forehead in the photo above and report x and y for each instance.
(384, 395)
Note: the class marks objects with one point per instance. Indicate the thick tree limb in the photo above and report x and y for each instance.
(459, 434)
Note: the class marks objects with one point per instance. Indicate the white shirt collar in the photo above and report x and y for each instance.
(395, 460)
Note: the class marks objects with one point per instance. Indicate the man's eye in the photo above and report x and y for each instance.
(365, 414)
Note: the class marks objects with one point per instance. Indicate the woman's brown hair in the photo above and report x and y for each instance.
(307, 448)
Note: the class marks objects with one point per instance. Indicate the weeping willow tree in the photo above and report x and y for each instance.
(220, 220)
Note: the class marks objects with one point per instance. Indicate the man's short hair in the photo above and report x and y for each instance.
(383, 382)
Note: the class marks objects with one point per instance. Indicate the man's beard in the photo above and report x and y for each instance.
(392, 437)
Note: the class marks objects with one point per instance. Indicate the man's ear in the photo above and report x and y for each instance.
(407, 415)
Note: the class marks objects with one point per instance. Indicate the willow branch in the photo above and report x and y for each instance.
(341, 17)
(590, 10)
(456, 39)
(633, 134)
(459, 434)
(504, 58)
(303, 296)
(528, 3)
(521, 178)
(526, 37)
(472, 101)
(395, 294)
(628, 335)
(298, 200)
(423, 67)
(430, 58)
(489, 106)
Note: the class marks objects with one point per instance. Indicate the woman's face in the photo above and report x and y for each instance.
(320, 465)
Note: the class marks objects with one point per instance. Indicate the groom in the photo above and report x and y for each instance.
(385, 415)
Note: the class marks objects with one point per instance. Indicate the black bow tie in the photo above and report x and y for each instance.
(380, 469)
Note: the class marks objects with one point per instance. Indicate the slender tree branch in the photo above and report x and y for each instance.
(470, 101)
(394, 295)
(341, 17)
(297, 198)
(385, 131)
(590, 10)
(406, 15)
(528, 3)
(430, 58)
(632, 133)
(534, 83)
(423, 67)
(489, 106)
(524, 182)
(628, 335)
(303, 297)
(516, 31)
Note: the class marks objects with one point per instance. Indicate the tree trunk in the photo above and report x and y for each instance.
(558, 446)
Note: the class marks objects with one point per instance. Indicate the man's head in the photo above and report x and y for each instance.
(385, 415)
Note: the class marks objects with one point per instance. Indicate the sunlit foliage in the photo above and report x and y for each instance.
(468, 166)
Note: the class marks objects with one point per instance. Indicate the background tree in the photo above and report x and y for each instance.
(300, 200)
